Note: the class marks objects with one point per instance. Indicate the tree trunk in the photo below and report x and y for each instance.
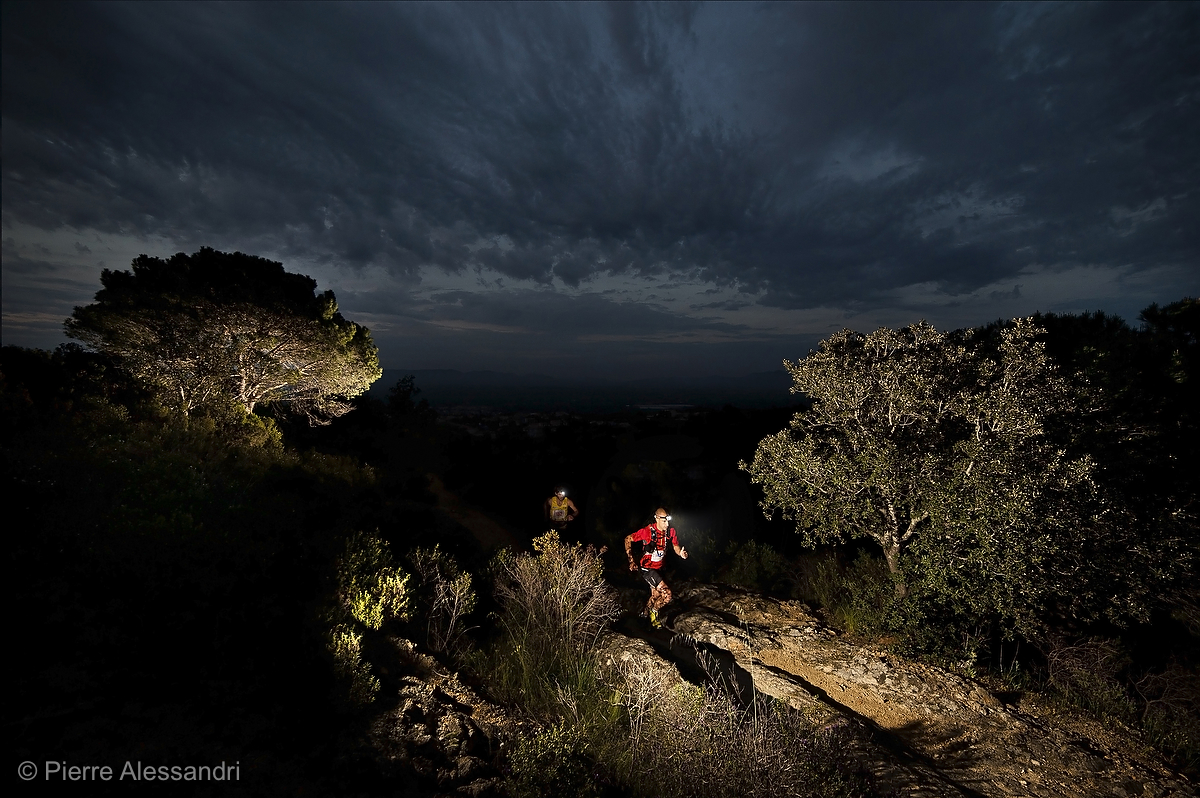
(891, 552)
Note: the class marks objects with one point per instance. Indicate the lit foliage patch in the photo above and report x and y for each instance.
(371, 592)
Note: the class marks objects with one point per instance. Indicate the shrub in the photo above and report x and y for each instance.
(231, 422)
(346, 647)
(556, 600)
(859, 598)
(550, 764)
(371, 591)
(370, 588)
(446, 595)
(554, 604)
(757, 566)
(1171, 713)
(1088, 673)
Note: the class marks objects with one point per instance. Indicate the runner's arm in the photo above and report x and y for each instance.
(679, 549)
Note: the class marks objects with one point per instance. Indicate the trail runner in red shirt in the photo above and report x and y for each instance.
(654, 539)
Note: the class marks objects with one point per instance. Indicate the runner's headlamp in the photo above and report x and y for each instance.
(662, 517)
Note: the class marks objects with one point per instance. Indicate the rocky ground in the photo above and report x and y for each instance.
(933, 732)
(435, 735)
(926, 731)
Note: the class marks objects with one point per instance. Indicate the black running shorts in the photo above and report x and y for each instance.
(652, 576)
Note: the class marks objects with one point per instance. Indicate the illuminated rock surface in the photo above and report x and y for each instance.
(934, 732)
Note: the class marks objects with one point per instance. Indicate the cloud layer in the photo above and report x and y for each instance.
(852, 159)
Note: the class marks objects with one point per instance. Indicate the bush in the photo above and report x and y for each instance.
(346, 647)
(371, 591)
(445, 595)
(553, 606)
(1088, 673)
(556, 601)
(550, 764)
(1171, 713)
(229, 421)
(859, 598)
(757, 566)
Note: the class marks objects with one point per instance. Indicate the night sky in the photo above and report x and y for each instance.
(611, 191)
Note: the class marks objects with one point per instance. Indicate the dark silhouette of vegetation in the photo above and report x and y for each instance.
(172, 578)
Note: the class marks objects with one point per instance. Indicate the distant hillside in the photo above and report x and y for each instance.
(502, 390)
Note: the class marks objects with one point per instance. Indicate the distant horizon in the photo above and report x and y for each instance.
(583, 380)
(513, 392)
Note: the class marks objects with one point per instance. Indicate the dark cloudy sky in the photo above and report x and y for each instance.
(611, 190)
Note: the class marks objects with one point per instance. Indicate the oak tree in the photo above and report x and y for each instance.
(934, 447)
(217, 326)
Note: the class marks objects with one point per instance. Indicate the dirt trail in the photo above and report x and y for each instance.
(945, 734)
(490, 533)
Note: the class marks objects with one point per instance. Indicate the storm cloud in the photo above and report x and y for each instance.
(807, 162)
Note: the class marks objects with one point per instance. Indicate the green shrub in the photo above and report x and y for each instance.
(553, 606)
(346, 647)
(550, 764)
(757, 566)
(371, 591)
(228, 420)
(858, 598)
(1088, 673)
(1170, 701)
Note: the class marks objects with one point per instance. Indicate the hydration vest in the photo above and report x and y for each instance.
(654, 551)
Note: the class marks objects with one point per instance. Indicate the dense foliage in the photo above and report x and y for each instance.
(172, 578)
(935, 448)
(1028, 482)
(199, 327)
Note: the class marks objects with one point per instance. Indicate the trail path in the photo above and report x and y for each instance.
(490, 533)
(936, 733)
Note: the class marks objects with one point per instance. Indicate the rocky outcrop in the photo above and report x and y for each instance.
(436, 735)
(946, 734)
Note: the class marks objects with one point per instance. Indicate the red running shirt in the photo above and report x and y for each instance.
(655, 547)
